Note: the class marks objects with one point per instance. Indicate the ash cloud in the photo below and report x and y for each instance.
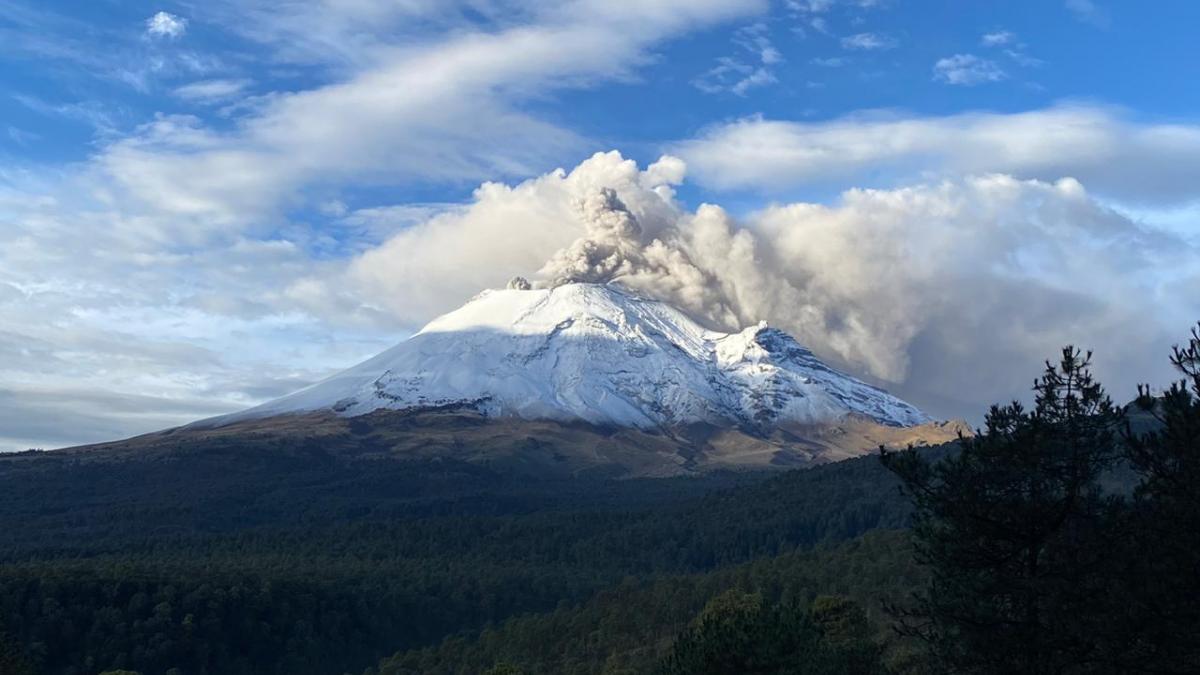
(700, 262)
(949, 293)
(609, 249)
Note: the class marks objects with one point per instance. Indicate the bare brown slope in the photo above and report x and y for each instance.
(535, 446)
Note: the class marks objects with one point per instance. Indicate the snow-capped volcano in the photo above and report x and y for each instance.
(600, 354)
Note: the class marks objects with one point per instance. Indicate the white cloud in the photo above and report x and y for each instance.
(341, 34)
(967, 69)
(997, 38)
(733, 74)
(869, 42)
(820, 25)
(756, 39)
(1011, 46)
(1088, 11)
(211, 91)
(1116, 157)
(104, 334)
(823, 6)
(1022, 59)
(166, 25)
(107, 329)
(760, 77)
(831, 62)
(810, 6)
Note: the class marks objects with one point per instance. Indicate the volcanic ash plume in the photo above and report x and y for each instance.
(609, 249)
(612, 251)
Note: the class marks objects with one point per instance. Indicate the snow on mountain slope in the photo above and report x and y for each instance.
(600, 354)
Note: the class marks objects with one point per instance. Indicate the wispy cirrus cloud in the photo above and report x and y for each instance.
(139, 56)
(1011, 46)
(869, 42)
(442, 112)
(21, 136)
(104, 119)
(754, 67)
(211, 91)
(1089, 12)
(818, 14)
(997, 38)
(967, 70)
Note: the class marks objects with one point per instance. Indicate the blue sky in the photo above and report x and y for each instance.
(98, 56)
(203, 205)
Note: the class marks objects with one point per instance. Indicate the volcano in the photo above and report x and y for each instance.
(599, 354)
(585, 377)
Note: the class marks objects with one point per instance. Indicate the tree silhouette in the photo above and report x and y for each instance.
(1163, 618)
(1012, 529)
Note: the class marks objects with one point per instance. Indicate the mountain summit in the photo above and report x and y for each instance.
(599, 354)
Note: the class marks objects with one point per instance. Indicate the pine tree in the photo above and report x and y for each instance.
(1163, 620)
(740, 633)
(1012, 530)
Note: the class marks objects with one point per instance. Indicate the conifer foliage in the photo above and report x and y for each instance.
(740, 633)
(1036, 565)
(1163, 592)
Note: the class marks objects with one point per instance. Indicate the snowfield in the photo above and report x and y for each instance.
(601, 354)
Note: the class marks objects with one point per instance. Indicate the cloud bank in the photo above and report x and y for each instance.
(1114, 156)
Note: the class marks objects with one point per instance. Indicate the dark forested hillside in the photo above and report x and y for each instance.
(285, 560)
(632, 627)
